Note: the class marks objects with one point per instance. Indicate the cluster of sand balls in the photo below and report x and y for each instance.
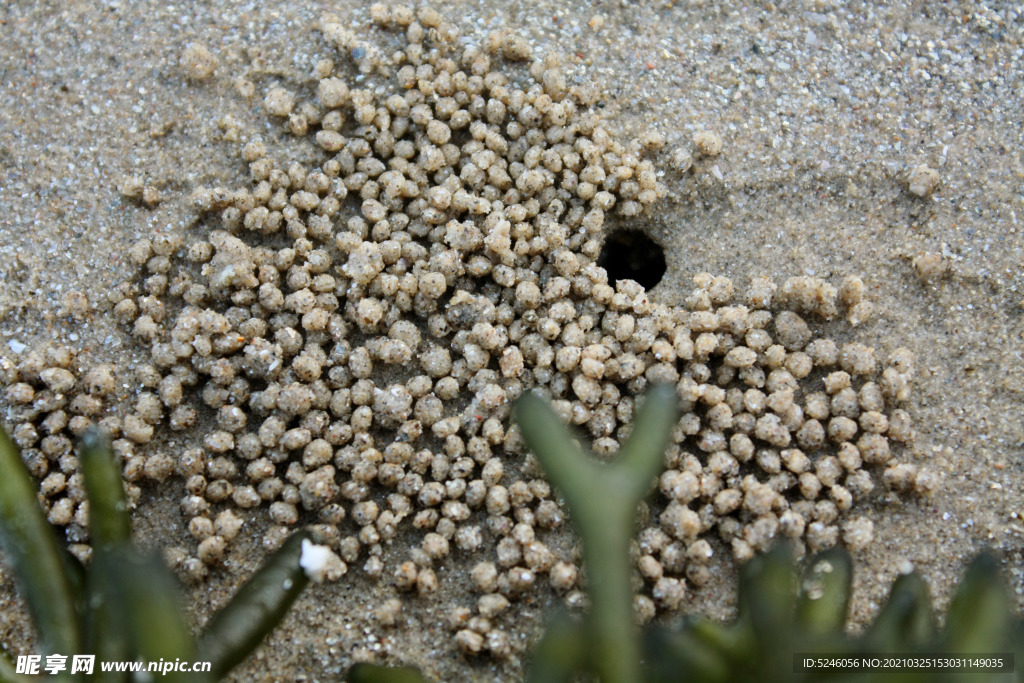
(779, 432)
(349, 339)
(49, 404)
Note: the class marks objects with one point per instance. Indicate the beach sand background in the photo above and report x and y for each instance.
(823, 108)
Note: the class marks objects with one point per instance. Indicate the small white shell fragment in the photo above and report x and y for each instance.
(320, 563)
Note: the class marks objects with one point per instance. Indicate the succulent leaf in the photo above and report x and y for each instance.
(37, 559)
(681, 654)
(126, 601)
(978, 619)
(825, 593)
(106, 631)
(767, 600)
(8, 672)
(108, 508)
(906, 621)
(146, 603)
(561, 652)
(257, 607)
(602, 499)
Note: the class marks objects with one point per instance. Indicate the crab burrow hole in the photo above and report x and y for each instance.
(632, 255)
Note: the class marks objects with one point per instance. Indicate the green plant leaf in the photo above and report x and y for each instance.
(825, 593)
(36, 557)
(146, 603)
(767, 594)
(108, 508)
(602, 499)
(8, 672)
(766, 605)
(729, 639)
(906, 621)
(561, 652)
(978, 619)
(1016, 646)
(257, 607)
(641, 457)
(559, 455)
(106, 631)
(672, 655)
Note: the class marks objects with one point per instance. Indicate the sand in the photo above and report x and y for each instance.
(823, 109)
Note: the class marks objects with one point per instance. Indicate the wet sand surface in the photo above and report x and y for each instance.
(824, 110)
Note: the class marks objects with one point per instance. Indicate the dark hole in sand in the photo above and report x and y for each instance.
(632, 255)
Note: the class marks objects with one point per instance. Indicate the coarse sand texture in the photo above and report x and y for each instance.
(431, 226)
